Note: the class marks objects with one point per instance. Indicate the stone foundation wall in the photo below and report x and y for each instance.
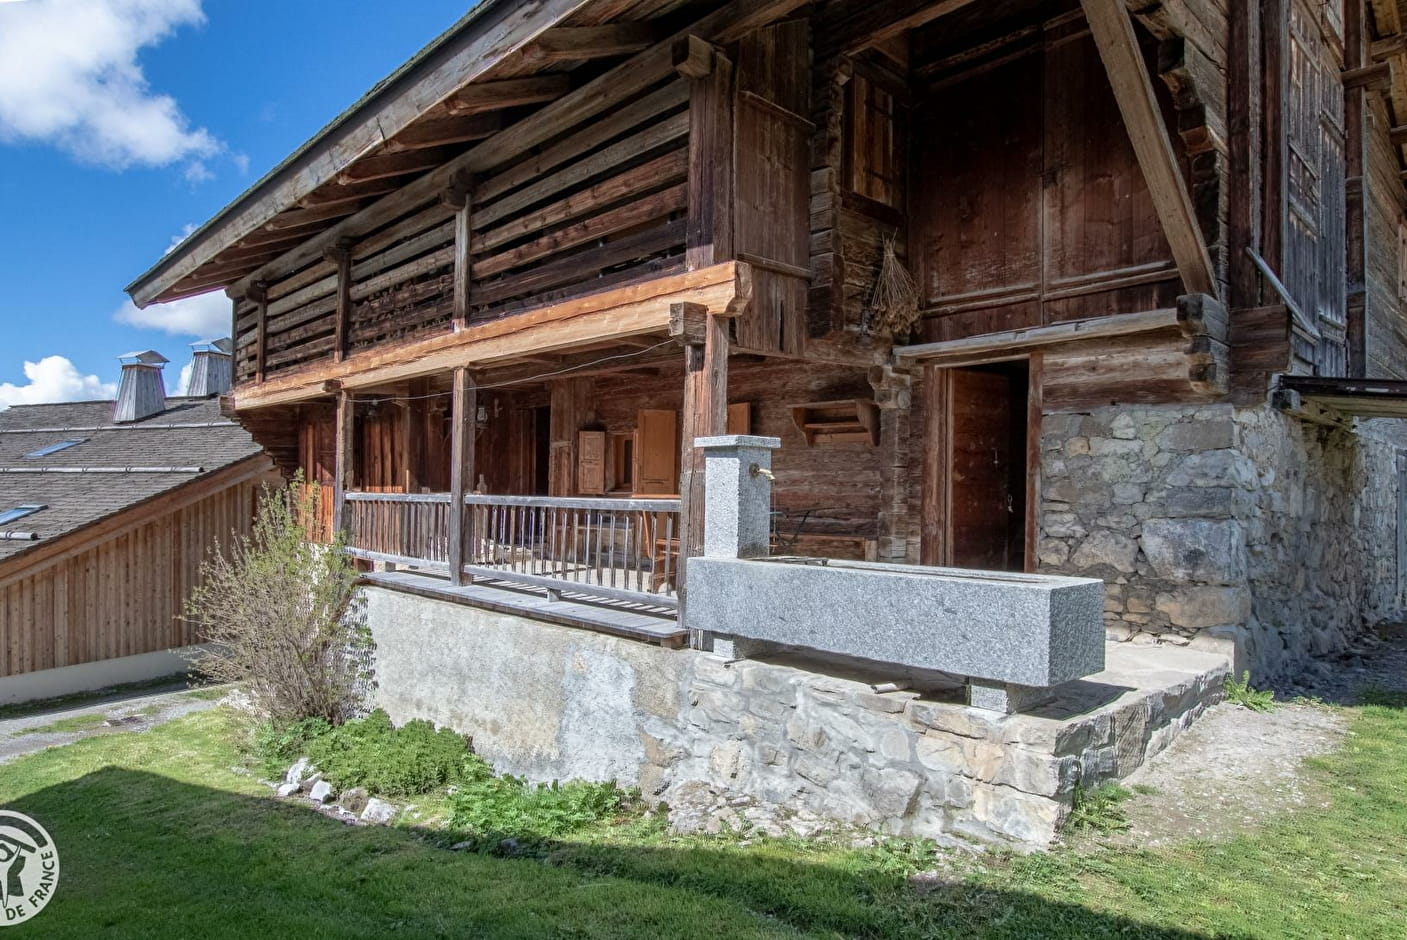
(554, 703)
(1217, 524)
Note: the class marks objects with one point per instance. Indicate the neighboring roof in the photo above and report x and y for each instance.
(114, 469)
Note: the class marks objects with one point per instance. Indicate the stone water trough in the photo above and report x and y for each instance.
(1012, 637)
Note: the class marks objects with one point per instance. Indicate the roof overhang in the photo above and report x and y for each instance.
(212, 256)
(1359, 398)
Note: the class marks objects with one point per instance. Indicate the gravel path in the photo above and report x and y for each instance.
(103, 714)
(1235, 768)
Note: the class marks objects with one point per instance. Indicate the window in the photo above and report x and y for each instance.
(19, 512)
(55, 448)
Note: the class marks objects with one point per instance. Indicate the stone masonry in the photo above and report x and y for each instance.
(1223, 527)
(779, 734)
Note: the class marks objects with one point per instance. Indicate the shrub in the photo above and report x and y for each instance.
(275, 745)
(284, 616)
(1241, 693)
(498, 807)
(371, 752)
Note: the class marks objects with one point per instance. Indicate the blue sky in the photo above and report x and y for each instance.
(125, 122)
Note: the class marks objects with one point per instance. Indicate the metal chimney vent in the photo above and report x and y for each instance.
(212, 368)
(142, 393)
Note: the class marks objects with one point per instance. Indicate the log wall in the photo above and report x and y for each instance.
(602, 205)
(120, 594)
(1385, 325)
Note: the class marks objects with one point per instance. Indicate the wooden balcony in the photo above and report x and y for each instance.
(610, 564)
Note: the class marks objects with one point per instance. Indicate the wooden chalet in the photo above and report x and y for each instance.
(494, 303)
(107, 512)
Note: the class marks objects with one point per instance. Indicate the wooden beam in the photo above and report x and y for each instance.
(509, 93)
(341, 256)
(335, 193)
(1113, 33)
(704, 414)
(1398, 135)
(439, 132)
(458, 197)
(864, 24)
(391, 165)
(1014, 344)
(635, 310)
(579, 43)
(463, 413)
(709, 234)
(344, 461)
(299, 218)
(1367, 76)
(259, 293)
(1388, 47)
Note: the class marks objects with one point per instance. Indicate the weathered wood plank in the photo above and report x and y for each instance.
(1118, 47)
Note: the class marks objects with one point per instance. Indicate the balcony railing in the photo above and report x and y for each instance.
(619, 549)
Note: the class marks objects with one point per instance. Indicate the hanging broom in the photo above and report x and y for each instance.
(893, 306)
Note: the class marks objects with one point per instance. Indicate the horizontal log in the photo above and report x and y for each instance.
(1013, 342)
(508, 93)
(639, 309)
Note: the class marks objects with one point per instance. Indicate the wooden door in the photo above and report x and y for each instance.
(591, 463)
(977, 468)
(657, 453)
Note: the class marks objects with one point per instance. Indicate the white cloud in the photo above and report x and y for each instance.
(69, 77)
(183, 384)
(202, 317)
(51, 379)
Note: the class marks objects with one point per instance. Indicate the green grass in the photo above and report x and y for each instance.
(71, 723)
(160, 837)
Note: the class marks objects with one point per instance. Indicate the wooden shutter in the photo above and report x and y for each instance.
(657, 453)
(740, 418)
(591, 463)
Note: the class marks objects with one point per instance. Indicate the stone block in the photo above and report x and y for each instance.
(737, 514)
(1035, 630)
(1206, 434)
(891, 792)
(1106, 549)
(1210, 551)
(1199, 607)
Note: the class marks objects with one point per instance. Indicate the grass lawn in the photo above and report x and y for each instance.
(160, 837)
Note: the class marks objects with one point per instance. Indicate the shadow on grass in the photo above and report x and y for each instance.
(144, 855)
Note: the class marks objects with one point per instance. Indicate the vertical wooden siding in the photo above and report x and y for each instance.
(121, 596)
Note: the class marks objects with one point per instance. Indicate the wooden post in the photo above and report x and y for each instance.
(341, 255)
(342, 476)
(464, 408)
(709, 233)
(705, 413)
(1113, 34)
(1245, 126)
(934, 516)
(259, 293)
(457, 197)
(893, 394)
(1355, 167)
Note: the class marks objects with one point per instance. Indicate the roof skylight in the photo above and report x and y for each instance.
(19, 512)
(55, 448)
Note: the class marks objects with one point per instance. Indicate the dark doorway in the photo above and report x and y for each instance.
(979, 475)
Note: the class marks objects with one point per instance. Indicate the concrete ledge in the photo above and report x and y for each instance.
(89, 677)
(1027, 630)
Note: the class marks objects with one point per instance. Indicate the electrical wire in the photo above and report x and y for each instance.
(529, 378)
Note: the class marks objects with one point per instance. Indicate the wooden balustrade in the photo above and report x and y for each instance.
(619, 549)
